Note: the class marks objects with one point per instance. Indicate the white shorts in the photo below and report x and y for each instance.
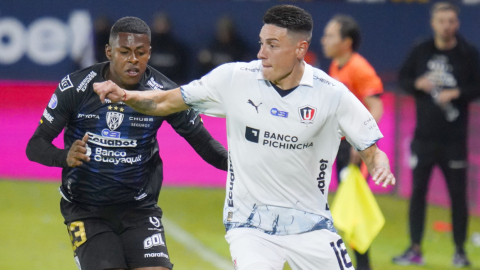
(252, 249)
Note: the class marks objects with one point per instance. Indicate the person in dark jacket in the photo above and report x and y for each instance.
(443, 75)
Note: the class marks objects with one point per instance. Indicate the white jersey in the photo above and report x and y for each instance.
(281, 149)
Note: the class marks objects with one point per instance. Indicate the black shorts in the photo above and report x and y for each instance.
(122, 236)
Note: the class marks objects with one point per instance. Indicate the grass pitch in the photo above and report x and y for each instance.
(32, 234)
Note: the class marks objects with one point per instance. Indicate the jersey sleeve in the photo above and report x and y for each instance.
(186, 123)
(367, 82)
(356, 123)
(60, 107)
(206, 95)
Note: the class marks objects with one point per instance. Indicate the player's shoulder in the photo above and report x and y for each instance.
(254, 66)
(423, 44)
(156, 80)
(358, 66)
(466, 46)
(237, 70)
(80, 79)
(245, 69)
(323, 80)
(242, 68)
(359, 61)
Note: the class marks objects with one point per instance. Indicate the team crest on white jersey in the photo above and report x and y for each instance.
(114, 120)
(307, 114)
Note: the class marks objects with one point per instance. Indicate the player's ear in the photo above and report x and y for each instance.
(108, 52)
(302, 48)
(149, 52)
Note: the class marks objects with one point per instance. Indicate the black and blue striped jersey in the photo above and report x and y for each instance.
(125, 165)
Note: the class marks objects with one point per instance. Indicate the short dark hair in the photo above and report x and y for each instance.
(443, 6)
(349, 28)
(290, 17)
(130, 25)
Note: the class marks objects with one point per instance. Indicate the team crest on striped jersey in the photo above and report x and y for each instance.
(114, 120)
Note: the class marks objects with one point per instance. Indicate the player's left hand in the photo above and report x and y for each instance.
(383, 175)
(77, 154)
(110, 90)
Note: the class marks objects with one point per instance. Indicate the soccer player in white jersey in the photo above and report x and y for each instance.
(285, 120)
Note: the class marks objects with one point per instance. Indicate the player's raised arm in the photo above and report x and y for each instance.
(155, 102)
(378, 165)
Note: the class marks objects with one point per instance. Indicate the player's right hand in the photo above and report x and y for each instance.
(110, 90)
(77, 153)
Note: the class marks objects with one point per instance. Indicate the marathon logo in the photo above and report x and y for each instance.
(65, 83)
(232, 182)
(83, 85)
(321, 176)
(110, 142)
(282, 141)
(156, 255)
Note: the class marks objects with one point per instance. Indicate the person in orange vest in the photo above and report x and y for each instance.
(340, 43)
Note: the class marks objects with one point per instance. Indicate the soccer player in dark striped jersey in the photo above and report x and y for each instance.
(112, 171)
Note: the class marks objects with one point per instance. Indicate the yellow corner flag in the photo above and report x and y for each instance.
(355, 211)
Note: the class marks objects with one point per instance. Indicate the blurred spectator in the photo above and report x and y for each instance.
(443, 75)
(169, 56)
(340, 43)
(226, 47)
(102, 27)
(82, 51)
(312, 59)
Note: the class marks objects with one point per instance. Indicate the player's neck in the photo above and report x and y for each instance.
(343, 59)
(445, 44)
(293, 78)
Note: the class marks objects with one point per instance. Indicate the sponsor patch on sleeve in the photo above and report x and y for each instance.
(52, 104)
(65, 83)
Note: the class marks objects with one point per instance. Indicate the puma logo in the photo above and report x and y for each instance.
(256, 106)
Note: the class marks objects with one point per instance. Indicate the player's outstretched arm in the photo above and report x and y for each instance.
(378, 165)
(154, 102)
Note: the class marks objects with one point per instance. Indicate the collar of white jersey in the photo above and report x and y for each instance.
(307, 78)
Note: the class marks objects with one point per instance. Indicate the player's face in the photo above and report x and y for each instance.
(445, 24)
(278, 52)
(332, 41)
(128, 54)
